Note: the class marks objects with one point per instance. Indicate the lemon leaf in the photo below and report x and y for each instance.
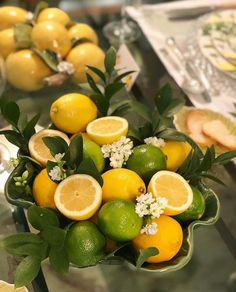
(110, 60)
(144, 254)
(49, 57)
(29, 129)
(40, 218)
(101, 103)
(174, 106)
(87, 166)
(98, 72)
(59, 260)
(225, 157)
(76, 150)
(27, 270)
(112, 89)
(11, 113)
(121, 76)
(163, 98)
(29, 249)
(92, 84)
(56, 144)
(18, 239)
(54, 236)
(141, 109)
(22, 33)
(14, 138)
(134, 133)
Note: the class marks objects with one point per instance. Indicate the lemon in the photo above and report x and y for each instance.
(225, 66)
(93, 150)
(146, 160)
(107, 130)
(176, 152)
(118, 220)
(38, 150)
(83, 30)
(72, 112)
(44, 189)
(167, 240)
(26, 71)
(174, 188)
(83, 55)
(7, 42)
(85, 244)
(51, 35)
(78, 197)
(196, 210)
(10, 15)
(54, 14)
(7, 287)
(121, 183)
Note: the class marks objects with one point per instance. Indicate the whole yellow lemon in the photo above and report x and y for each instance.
(10, 15)
(51, 35)
(54, 14)
(72, 112)
(7, 42)
(83, 55)
(26, 71)
(83, 30)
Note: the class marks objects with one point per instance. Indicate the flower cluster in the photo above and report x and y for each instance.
(57, 173)
(148, 206)
(118, 152)
(157, 142)
(66, 67)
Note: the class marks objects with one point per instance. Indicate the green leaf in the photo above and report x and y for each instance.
(40, 218)
(25, 249)
(54, 236)
(141, 109)
(59, 260)
(13, 137)
(164, 124)
(112, 89)
(101, 103)
(27, 270)
(29, 130)
(225, 157)
(208, 159)
(76, 150)
(110, 60)
(22, 122)
(119, 108)
(92, 84)
(87, 166)
(134, 133)
(174, 106)
(145, 254)
(98, 72)
(40, 6)
(163, 98)
(49, 57)
(121, 76)
(146, 130)
(78, 41)
(22, 33)
(56, 145)
(18, 239)
(11, 113)
(212, 177)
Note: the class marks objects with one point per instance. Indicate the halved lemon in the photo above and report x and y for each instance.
(106, 130)
(7, 287)
(38, 150)
(174, 188)
(78, 197)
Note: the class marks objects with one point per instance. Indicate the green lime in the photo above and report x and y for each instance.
(195, 210)
(118, 220)
(146, 160)
(85, 244)
(93, 150)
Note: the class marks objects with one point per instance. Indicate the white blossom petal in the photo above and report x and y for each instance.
(149, 229)
(157, 142)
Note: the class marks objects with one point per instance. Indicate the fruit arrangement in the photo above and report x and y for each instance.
(46, 47)
(99, 186)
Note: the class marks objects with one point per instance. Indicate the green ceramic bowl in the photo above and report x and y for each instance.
(210, 216)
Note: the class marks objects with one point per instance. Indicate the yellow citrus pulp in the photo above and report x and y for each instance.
(54, 14)
(38, 150)
(72, 112)
(7, 42)
(107, 129)
(167, 240)
(174, 188)
(10, 15)
(122, 183)
(44, 189)
(83, 55)
(83, 30)
(26, 71)
(51, 35)
(78, 197)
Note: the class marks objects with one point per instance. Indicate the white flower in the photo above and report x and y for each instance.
(118, 152)
(149, 229)
(148, 205)
(56, 173)
(30, 15)
(66, 67)
(157, 142)
(58, 157)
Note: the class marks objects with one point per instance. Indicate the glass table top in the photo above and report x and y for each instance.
(213, 265)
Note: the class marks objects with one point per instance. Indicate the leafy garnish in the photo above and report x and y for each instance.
(144, 254)
(49, 57)
(22, 34)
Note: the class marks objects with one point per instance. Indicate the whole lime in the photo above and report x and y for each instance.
(118, 220)
(146, 160)
(85, 244)
(195, 210)
(93, 150)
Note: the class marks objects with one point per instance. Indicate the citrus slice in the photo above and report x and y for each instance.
(6, 287)
(38, 150)
(174, 188)
(78, 197)
(106, 130)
